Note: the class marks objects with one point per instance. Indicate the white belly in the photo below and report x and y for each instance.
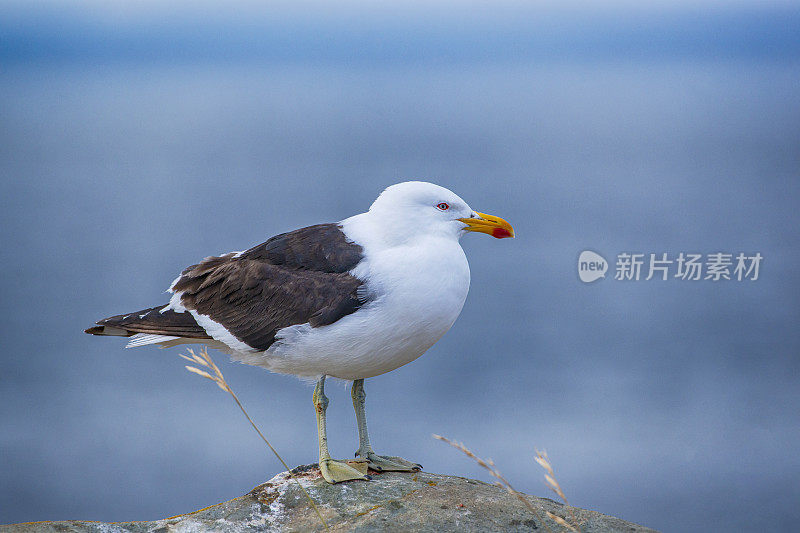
(416, 294)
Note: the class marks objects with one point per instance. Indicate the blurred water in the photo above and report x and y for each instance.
(674, 404)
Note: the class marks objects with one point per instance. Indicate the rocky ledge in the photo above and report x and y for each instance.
(390, 502)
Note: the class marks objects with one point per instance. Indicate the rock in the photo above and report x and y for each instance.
(392, 501)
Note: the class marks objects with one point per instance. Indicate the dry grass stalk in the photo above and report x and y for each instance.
(550, 477)
(205, 360)
(552, 483)
(489, 465)
(560, 521)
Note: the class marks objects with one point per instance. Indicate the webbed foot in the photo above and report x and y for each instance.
(386, 463)
(338, 471)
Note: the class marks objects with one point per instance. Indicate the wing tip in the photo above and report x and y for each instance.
(108, 331)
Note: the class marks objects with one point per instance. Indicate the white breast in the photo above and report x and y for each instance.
(415, 291)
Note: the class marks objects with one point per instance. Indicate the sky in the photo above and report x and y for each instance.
(136, 140)
(354, 33)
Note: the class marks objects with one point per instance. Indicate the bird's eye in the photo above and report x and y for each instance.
(443, 206)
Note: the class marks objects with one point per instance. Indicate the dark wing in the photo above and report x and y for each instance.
(293, 278)
(321, 248)
(151, 321)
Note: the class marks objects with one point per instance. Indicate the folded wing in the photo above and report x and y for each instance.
(293, 278)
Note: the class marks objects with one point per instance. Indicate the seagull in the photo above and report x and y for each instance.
(350, 300)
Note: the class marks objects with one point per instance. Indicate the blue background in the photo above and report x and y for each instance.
(135, 140)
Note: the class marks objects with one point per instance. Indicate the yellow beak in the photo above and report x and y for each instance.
(492, 225)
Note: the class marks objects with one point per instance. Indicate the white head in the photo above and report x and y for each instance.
(420, 208)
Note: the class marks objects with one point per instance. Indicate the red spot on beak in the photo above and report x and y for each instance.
(500, 233)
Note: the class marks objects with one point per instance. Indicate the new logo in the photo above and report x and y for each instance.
(591, 266)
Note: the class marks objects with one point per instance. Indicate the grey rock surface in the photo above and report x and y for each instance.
(392, 501)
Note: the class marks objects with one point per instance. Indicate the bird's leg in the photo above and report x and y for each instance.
(332, 471)
(379, 463)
